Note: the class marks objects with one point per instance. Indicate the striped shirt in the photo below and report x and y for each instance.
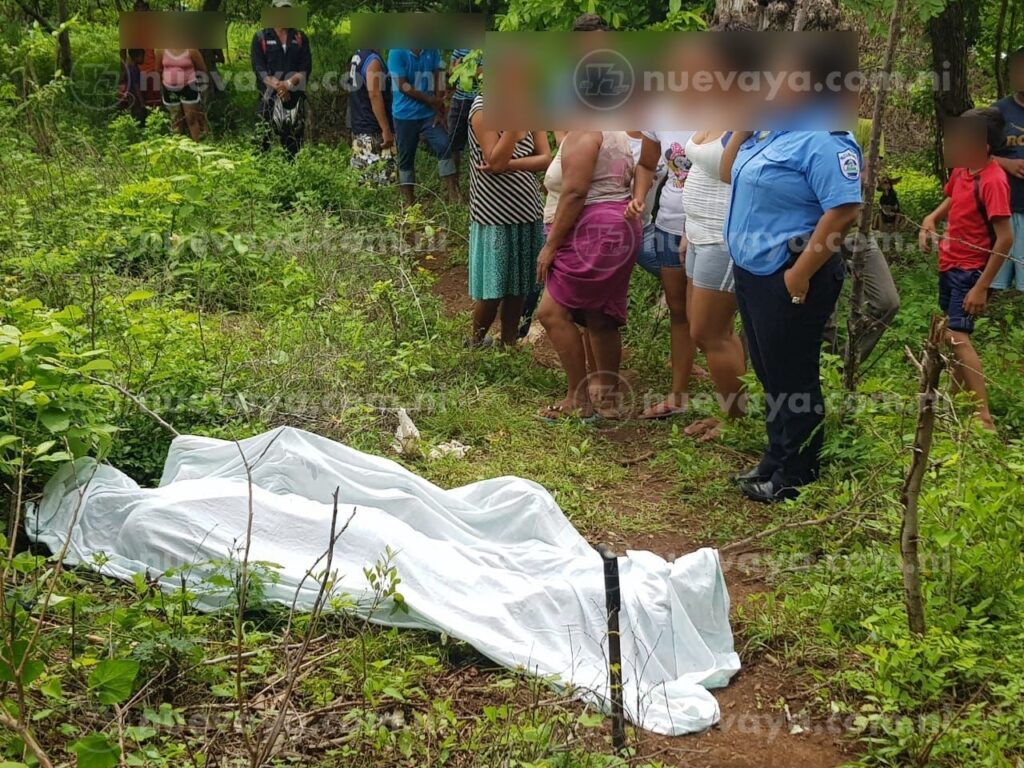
(511, 197)
(457, 54)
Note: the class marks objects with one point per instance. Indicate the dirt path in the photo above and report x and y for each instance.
(755, 731)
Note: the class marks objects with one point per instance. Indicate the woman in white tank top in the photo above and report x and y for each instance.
(711, 299)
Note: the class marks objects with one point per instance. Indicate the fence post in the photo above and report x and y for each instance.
(931, 368)
(613, 604)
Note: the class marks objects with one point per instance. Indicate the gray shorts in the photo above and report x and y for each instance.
(710, 267)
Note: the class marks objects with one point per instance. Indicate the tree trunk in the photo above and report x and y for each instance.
(63, 40)
(778, 14)
(949, 62)
(998, 67)
(856, 320)
(931, 368)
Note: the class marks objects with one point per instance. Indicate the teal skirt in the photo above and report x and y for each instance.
(503, 259)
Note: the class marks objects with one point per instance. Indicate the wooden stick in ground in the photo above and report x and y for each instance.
(931, 368)
(856, 320)
(613, 604)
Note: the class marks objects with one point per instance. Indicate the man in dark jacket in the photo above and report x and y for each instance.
(282, 62)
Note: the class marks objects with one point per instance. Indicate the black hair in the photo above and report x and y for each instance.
(136, 53)
(590, 22)
(995, 126)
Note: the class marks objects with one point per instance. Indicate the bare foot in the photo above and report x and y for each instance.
(705, 430)
(567, 409)
(663, 410)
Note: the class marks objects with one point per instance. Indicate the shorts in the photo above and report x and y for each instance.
(375, 164)
(647, 257)
(1012, 273)
(172, 97)
(458, 123)
(666, 249)
(954, 285)
(709, 266)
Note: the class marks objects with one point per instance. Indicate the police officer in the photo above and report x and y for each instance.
(282, 62)
(794, 196)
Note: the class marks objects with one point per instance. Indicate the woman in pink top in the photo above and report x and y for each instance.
(585, 266)
(181, 85)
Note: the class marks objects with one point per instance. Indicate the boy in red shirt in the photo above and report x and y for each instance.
(978, 235)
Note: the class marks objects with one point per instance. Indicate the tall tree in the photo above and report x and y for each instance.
(949, 65)
(998, 67)
(64, 62)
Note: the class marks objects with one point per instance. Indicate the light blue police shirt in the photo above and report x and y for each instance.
(782, 184)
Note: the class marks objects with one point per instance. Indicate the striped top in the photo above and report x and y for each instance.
(461, 53)
(511, 197)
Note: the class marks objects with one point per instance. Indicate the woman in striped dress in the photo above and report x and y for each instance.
(506, 230)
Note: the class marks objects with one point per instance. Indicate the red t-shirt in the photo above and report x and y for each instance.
(966, 225)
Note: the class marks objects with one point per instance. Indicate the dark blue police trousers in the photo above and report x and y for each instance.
(784, 341)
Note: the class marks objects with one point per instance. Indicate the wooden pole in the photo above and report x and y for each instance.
(855, 323)
(613, 604)
(931, 368)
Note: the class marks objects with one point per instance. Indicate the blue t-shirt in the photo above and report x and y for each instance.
(420, 71)
(1013, 113)
(782, 184)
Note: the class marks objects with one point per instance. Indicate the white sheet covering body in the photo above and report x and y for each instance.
(495, 563)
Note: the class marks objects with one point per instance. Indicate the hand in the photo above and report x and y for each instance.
(683, 245)
(545, 259)
(976, 301)
(1014, 167)
(635, 209)
(927, 236)
(797, 284)
(485, 167)
(437, 102)
(387, 139)
(439, 119)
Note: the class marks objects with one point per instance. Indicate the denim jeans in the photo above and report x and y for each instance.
(407, 135)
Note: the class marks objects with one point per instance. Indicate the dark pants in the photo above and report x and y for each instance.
(785, 349)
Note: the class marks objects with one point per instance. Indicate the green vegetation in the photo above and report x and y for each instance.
(229, 291)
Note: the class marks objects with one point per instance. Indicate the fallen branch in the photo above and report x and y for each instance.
(136, 400)
(784, 527)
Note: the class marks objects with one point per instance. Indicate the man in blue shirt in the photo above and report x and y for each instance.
(1011, 158)
(418, 111)
(794, 196)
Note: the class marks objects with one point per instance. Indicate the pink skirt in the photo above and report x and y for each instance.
(592, 267)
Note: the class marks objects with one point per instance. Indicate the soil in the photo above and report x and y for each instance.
(765, 723)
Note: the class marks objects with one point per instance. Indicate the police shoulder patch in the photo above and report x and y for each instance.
(849, 164)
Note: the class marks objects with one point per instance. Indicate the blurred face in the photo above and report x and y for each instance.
(964, 142)
(1017, 73)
